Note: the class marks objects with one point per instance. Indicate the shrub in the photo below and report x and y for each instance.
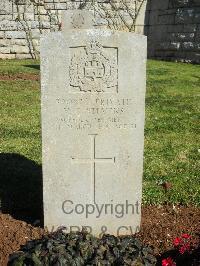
(82, 248)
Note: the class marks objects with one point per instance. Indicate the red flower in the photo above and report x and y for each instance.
(177, 241)
(184, 248)
(168, 262)
(186, 236)
(187, 246)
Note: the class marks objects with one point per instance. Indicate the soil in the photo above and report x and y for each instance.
(160, 226)
(22, 76)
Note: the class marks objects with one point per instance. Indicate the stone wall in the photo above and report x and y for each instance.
(22, 21)
(172, 26)
(173, 30)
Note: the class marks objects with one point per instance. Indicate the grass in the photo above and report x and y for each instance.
(172, 149)
(20, 111)
(172, 133)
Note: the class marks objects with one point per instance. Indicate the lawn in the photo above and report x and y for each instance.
(172, 150)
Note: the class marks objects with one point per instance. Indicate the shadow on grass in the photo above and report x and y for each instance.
(33, 66)
(21, 187)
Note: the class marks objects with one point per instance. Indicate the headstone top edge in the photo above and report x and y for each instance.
(94, 31)
(77, 19)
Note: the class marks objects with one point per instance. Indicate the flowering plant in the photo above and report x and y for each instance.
(182, 244)
(168, 262)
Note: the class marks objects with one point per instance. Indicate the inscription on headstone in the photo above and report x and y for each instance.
(93, 90)
(92, 161)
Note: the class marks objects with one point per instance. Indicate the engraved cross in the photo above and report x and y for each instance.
(92, 161)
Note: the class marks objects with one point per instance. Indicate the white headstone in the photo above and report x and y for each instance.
(93, 100)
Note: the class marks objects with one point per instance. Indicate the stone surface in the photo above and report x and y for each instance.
(15, 34)
(17, 49)
(5, 7)
(5, 50)
(7, 56)
(77, 19)
(157, 18)
(93, 95)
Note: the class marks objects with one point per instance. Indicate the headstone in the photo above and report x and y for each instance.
(93, 100)
(76, 19)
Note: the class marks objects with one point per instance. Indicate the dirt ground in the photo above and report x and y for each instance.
(160, 226)
(22, 76)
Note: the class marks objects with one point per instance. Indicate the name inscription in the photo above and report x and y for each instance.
(97, 113)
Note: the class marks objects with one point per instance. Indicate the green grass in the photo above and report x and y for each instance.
(171, 133)
(19, 66)
(20, 111)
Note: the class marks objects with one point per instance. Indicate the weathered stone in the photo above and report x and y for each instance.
(35, 25)
(184, 16)
(29, 9)
(77, 19)
(157, 32)
(45, 31)
(9, 25)
(197, 17)
(182, 36)
(7, 56)
(159, 4)
(35, 33)
(175, 28)
(139, 29)
(61, 6)
(153, 20)
(15, 34)
(93, 129)
(5, 17)
(23, 56)
(141, 18)
(4, 42)
(166, 19)
(36, 42)
(190, 28)
(49, 6)
(5, 7)
(19, 49)
(188, 45)
(2, 34)
(23, 2)
(21, 8)
(43, 18)
(179, 3)
(166, 16)
(197, 46)
(4, 50)
(169, 45)
(18, 17)
(73, 5)
(28, 17)
(21, 42)
(41, 10)
(45, 25)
